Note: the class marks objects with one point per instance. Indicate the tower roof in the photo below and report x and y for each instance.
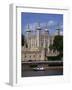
(58, 29)
(28, 28)
(38, 27)
(46, 28)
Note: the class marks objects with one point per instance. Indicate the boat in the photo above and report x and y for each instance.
(39, 68)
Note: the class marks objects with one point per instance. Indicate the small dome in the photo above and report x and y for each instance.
(38, 27)
(28, 28)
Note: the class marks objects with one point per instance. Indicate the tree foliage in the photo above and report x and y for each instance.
(23, 41)
(57, 45)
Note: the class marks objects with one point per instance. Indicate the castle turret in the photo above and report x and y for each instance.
(38, 30)
(46, 34)
(58, 29)
(28, 31)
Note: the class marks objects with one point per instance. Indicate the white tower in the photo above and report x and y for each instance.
(58, 29)
(46, 34)
(46, 40)
(28, 31)
(38, 30)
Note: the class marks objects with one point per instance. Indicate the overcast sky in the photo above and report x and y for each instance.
(52, 20)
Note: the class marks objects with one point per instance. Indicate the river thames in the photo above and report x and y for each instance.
(48, 72)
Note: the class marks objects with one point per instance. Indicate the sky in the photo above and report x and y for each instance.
(51, 20)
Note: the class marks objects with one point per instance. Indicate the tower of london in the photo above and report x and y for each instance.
(38, 42)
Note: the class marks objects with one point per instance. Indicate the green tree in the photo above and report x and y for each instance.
(23, 41)
(57, 45)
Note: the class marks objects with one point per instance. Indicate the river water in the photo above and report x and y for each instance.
(49, 72)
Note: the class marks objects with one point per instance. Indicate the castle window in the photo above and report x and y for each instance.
(34, 56)
(30, 56)
(25, 56)
(42, 44)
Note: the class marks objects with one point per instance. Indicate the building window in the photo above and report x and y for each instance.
(42, 44)
(39, 55)
(30, 56)
(25, 56)
(33, 55)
